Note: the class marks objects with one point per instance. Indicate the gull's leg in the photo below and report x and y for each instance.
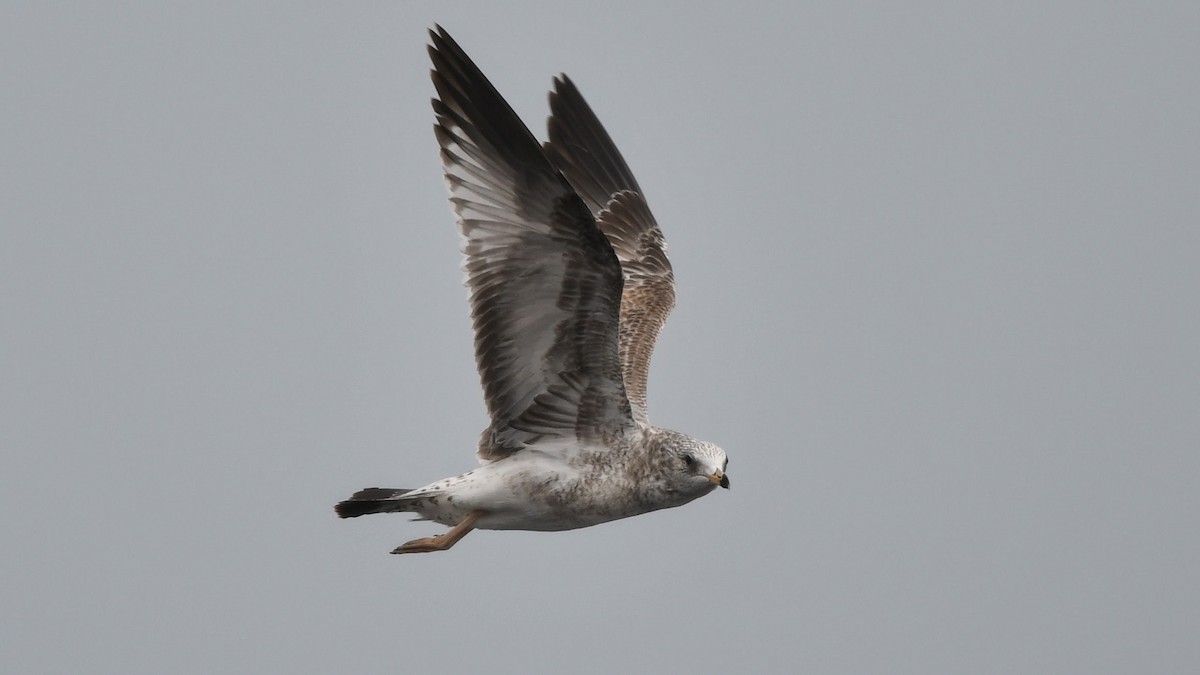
(443, 541)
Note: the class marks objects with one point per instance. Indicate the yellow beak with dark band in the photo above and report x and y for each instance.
(719, 478)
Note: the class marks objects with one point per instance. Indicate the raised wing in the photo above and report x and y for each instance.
(544, 282)
(581, 148)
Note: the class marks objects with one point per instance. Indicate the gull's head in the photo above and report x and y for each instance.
(698, 467)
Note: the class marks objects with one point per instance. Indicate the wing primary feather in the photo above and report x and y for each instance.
(585, 153)
(545, 284)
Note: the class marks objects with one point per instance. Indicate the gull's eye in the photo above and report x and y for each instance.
(690, 461)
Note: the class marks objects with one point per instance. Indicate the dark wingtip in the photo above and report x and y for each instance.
(562, 83)
(441, 41)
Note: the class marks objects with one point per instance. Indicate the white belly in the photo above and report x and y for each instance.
(530, 492)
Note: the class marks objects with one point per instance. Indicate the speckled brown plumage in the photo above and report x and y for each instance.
(569, 288)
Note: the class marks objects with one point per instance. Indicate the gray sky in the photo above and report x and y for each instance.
(938, 276)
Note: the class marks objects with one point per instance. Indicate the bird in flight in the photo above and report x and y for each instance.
(569, 288)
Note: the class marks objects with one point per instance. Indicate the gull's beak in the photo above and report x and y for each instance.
(719, 478)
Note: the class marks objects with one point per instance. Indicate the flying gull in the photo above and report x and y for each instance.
(569, 287)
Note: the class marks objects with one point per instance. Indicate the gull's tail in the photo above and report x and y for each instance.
(373, 500)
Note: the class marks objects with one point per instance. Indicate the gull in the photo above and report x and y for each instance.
(569, 288)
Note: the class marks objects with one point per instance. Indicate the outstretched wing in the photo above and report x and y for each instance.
(581, 148)
(545, 286)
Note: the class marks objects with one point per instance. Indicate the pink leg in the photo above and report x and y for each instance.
(441, 542)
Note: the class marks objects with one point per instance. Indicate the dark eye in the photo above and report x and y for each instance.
(690, 461)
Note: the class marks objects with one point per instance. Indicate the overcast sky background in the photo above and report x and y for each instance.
(939, 299)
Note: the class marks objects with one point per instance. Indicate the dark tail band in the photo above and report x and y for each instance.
(371, 500)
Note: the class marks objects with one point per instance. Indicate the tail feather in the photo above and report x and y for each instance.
(372, 500)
